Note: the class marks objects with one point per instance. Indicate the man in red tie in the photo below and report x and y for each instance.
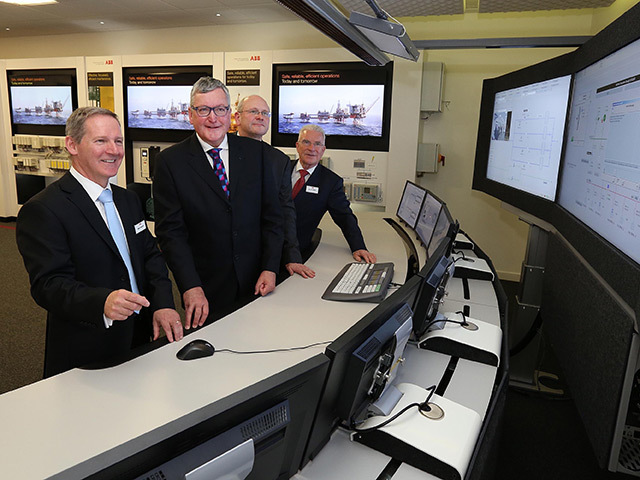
(317, 190)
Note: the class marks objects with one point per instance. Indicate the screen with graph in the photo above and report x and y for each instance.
(527, 134)
(600, 182)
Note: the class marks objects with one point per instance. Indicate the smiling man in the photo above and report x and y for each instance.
(218, 219)
(317, 190)
(92, 263)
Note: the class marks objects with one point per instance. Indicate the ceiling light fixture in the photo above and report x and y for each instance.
(390, 37)
(29, 2)
(218, 14)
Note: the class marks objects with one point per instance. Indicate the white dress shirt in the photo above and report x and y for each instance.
(224, 153)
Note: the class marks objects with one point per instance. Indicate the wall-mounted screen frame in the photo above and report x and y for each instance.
(41, 100)
(350, 100)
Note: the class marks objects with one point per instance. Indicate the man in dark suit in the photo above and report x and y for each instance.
(317, 190)
(100, 302)
(218, 220)
(252, 119)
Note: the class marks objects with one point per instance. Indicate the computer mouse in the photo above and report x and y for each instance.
(195, 349)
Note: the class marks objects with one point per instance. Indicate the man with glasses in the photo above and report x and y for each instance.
(252, 119)
(218, 219)
(317, 190)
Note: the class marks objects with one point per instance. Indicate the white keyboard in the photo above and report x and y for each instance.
(360, 281)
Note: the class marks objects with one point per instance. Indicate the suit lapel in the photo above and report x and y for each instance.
(126, 215)
(78, 196)
(198, 161)
(235, 164)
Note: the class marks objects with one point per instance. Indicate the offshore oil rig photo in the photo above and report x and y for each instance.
(356, 112)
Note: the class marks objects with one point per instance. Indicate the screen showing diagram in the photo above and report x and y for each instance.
(527, 134)
(600, 182)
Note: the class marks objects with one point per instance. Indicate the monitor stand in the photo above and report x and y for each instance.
(440, 441)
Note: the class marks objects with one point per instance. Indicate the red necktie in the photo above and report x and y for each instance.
(300, 183)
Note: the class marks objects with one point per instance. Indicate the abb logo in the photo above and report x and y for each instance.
(108, 62)
(255, 58)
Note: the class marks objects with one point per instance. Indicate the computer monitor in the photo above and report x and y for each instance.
(340, 352)
(428, 218)
(446, 227)
(434, 276)
(371, 368)
(527, 134)
(411, 203)
(601, 173)
(259, 432)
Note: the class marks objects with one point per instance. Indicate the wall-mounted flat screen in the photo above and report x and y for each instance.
(600, 181)
(527, 134)
(428, 218)
(41, 100)
(351, 101)
(411, 203)
(156, 101)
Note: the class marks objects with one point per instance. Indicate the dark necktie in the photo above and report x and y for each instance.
(218, 168)
(117, 233)
(300, 183)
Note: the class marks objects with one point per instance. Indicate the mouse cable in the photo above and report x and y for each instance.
(421, 406)
(275, 350)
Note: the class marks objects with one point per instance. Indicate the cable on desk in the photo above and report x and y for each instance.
(424, 406)
(462, 323)
(275, 350)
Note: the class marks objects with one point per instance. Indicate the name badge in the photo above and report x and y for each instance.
(312, 189)
(139, 227)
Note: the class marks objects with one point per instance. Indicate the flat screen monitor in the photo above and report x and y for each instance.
(411, 203)
(600, 181)
(527, 135)
(428, 218)
(334, 407)
(351, 101)
(41, 100)
(157, 101)
(434, 276)
(442, 230)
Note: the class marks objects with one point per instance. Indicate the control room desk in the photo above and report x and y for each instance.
(79, 422)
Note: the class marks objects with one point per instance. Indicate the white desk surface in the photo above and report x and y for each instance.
(79, 422)
(59, 423)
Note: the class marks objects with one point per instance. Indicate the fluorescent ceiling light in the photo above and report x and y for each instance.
(29, 2)
(388, 36)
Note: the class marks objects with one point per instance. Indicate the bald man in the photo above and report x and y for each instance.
(252, 119)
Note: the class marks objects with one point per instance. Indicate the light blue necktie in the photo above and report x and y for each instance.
(106, 197)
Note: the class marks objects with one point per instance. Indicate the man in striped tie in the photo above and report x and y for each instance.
(218, 217)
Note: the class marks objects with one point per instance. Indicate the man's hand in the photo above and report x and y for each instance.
(121, 304)
(364, 256)
(266, 283)
(196, 307)
(169, 320)
(300, 269)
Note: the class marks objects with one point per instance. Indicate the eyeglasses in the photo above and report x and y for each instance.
(205, 111)
(255, 112)
(307, 143)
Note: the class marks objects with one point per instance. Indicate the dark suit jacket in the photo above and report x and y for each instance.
(311, 207)
(221, 244)
(282, 169)
(74, 264)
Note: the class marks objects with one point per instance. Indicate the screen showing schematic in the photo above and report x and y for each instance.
(526, 136)
(600, 182)
(410, 203)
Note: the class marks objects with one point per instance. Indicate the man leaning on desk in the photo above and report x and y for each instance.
(317, 190)
(92, 263)
(218, 219)
(252, 119)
